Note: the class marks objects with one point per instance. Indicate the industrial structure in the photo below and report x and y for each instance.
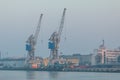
(54, 41)
(106, 56)
(78, 59)
(30, 46)
(13, 63)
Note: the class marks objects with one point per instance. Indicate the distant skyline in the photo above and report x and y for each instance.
(87, 23)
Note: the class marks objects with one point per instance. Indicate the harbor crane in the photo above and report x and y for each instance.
(54, 40)
(32, 41)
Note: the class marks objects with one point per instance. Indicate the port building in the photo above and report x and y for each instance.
(12, 63)
(78, 59)
(104, 55)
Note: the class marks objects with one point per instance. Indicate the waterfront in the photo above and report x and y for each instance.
(42, 75)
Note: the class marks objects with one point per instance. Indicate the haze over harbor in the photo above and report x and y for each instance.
(87, 23)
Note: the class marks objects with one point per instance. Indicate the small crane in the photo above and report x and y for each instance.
(32, 41)
(54, 40)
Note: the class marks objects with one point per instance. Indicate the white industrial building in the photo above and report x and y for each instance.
(106, 56)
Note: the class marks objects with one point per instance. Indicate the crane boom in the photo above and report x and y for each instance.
(38, 29)
(62, 23)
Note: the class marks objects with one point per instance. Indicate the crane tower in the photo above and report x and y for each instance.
(54, 40)
(32, 41)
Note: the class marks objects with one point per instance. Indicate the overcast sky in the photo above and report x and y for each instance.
(87, 23)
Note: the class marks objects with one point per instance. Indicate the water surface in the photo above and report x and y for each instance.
(42, 75)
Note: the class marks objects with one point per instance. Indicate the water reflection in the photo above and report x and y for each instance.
(30, 75)
(53, 75)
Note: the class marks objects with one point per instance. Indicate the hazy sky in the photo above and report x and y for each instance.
(87, 23)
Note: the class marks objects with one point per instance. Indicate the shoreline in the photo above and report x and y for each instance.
(109, 70)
